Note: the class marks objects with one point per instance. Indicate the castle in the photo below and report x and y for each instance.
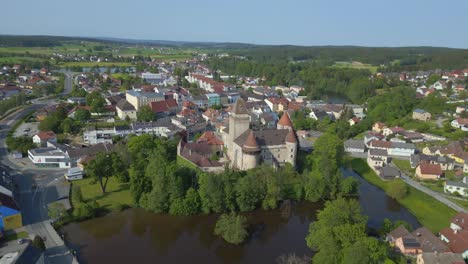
(247, 148)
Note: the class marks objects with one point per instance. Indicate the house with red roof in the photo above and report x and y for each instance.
(428, 171)
(42, 138)
(164, 107)
(456, 235)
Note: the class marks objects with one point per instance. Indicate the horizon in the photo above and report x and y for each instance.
(319, 23)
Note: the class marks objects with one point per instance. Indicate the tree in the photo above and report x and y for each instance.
(77, 195)
(432, 79)
(365, 250)
(101, 169)
(145, 114)
(339, 225)
(349, 186)
(232, 228)
(96, 102)
(249, 192)
(397, 189)
(57, 210)
(211, 192)
(38, 242)
(82, 114)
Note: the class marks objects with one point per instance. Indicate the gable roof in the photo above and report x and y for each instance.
(285, 120)
(125, 106)
(431, 169)
(45, 135)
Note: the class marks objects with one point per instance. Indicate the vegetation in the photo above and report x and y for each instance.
(232, 228)
(12, 102)
(38, 242)
(339, 235)
(431, 213)
(16, 236)
(21, 144)
(145, 114)
(104, 166)
(397, 189)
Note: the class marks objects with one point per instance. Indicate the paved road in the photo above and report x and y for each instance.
(438, 196)
(33, 201)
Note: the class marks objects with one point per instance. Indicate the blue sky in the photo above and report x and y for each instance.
(299, 22)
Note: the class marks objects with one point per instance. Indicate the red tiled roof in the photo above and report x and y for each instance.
(291, 138)
(458, 240)
(46, 135)
(210, 138)
(381, 144)
(159, 107)
(250, 144)
(432, 169)
(285, 120)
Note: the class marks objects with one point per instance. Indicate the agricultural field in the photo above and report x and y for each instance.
(355, 65)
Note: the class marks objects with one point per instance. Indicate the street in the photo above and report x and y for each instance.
(36, 187)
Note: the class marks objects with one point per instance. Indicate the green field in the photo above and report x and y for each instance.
(430, 213)
(404, 165)
(355, 65)
(116, 193)
(93, 64)
(18, 60)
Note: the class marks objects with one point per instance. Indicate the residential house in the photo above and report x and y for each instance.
(42, 138)
(445, 163)
(126, 110)
(378, 127)
(318, 114)
(419, 241)
(165, 107)
(394, 148)
(459, 188)
(428, 171)
(422, 115)
(388, 172)
(461, 123)
(139, 99)
(439, 258)
(388, 131)
(354, 146)
(371, 136)
(353, 121)
(213, 99)
(456, 236)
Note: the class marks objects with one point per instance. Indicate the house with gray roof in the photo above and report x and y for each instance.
(354, 146)
(459, 188)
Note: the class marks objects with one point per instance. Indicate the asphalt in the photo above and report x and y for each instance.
(35, 188)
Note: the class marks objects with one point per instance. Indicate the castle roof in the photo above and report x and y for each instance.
(250, 144)
(285, 120)
(239, 107)
(268, 137)
(290, 137)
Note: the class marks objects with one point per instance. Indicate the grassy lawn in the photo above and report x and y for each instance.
(405, 166)
(92, 64)
(430, 213)
(463, 203)
(15, 236)
(116, 193)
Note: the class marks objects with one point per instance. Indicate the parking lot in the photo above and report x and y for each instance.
(27, 129)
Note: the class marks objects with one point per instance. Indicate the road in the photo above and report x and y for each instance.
(438, 196)
(35, 188)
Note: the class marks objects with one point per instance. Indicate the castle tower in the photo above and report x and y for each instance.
(250, 151)
(239, 122)
(285, 122)
(291, 147)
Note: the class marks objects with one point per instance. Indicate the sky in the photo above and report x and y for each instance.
(296, 22)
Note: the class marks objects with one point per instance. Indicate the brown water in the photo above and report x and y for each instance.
(137, 236)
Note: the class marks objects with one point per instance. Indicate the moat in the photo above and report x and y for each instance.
(135, 235)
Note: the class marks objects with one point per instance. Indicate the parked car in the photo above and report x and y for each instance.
(21, 241)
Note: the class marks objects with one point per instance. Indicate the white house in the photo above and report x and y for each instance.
(461, 123)
(354, 146)
(457, 187)
(125, 109)
(75, 173)
(42, 138)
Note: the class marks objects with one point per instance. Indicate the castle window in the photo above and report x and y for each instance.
(291, 156)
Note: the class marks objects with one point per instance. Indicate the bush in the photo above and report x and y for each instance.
(232, 228)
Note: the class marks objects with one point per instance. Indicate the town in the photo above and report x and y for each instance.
(98, 131)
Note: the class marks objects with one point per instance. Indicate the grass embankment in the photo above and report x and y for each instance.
(117, 194)
(15, 236)
(430, 212)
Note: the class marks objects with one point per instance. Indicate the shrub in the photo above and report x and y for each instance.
(232, 228)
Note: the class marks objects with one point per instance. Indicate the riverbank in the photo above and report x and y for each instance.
(431, 213)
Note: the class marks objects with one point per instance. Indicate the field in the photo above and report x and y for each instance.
(116, 193)
(430, 213)
(355, 65)
(93, 64)
(404, 165)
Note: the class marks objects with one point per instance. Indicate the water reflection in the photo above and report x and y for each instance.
(152, 238)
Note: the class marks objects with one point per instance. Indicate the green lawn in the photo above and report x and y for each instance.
(430, 213)
(116, 193)
(15, 236)
(463, 203)
(405, 166)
